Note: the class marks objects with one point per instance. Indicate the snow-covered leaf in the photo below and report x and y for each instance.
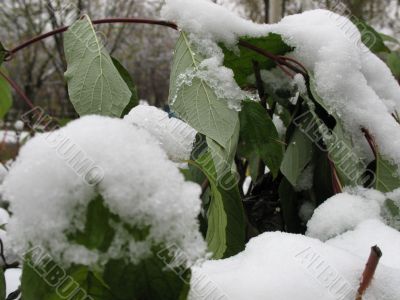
(98, 233)
(5, 95)
(195, 101)
(259, 135)
(94, 83)
(242, 65)
(149, 279)
(55, 285)
(370, 37)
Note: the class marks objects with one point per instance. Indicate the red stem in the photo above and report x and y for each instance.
(370, 141)
(101, 21)
(336, 185)
(282, 61)
(369, 271)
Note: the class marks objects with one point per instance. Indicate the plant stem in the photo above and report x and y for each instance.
(100, 21)
(283, 62)
(369, 271)
(17, 89)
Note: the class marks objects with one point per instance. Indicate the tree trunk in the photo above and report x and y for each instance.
(275, 11)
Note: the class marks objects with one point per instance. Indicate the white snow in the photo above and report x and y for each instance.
(173, 135)
(4, 216)
(13, 278)
(12, 137)
(19, 125)
(284, 266)
(369, 233)
(48, 194)
(343, 212)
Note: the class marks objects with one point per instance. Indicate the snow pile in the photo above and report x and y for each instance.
(284, 266)
(349, 223)
(48, 193)
(173, 135)
(354, 83)
(366, 234)
(343, 212)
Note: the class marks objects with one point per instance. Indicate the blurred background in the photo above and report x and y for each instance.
(146, 51)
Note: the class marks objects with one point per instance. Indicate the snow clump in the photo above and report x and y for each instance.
(140, 185)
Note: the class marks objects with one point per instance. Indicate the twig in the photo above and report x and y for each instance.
(10, 53)
(370, 141)
(336, 185)
(285, 63)
(369, 271)
(260, 84)
(17, 89)
(204, 187)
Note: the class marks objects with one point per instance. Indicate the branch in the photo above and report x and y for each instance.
(369, 271)
(283, 62)
(18, 90)
(336, 184)
(38, 38)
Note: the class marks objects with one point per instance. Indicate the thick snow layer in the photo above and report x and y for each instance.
(173, 135)
(367, 234)
(49, 189)
(284, 266)
(354, 83)
(344, 212)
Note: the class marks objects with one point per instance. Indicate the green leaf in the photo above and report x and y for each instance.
(387, 178)
(242, 64)
(94, 83)
(224, 157)
(49, 281)
(393, 61)
(259, 135)
(5, 95)
(2, 285)
(349, 165)
(370, 37)
(196, 102)
(388, 38)
(129, 82)
(98, 233)
(149, 279)
(297, 156)
(288, 199)
(226, 226)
